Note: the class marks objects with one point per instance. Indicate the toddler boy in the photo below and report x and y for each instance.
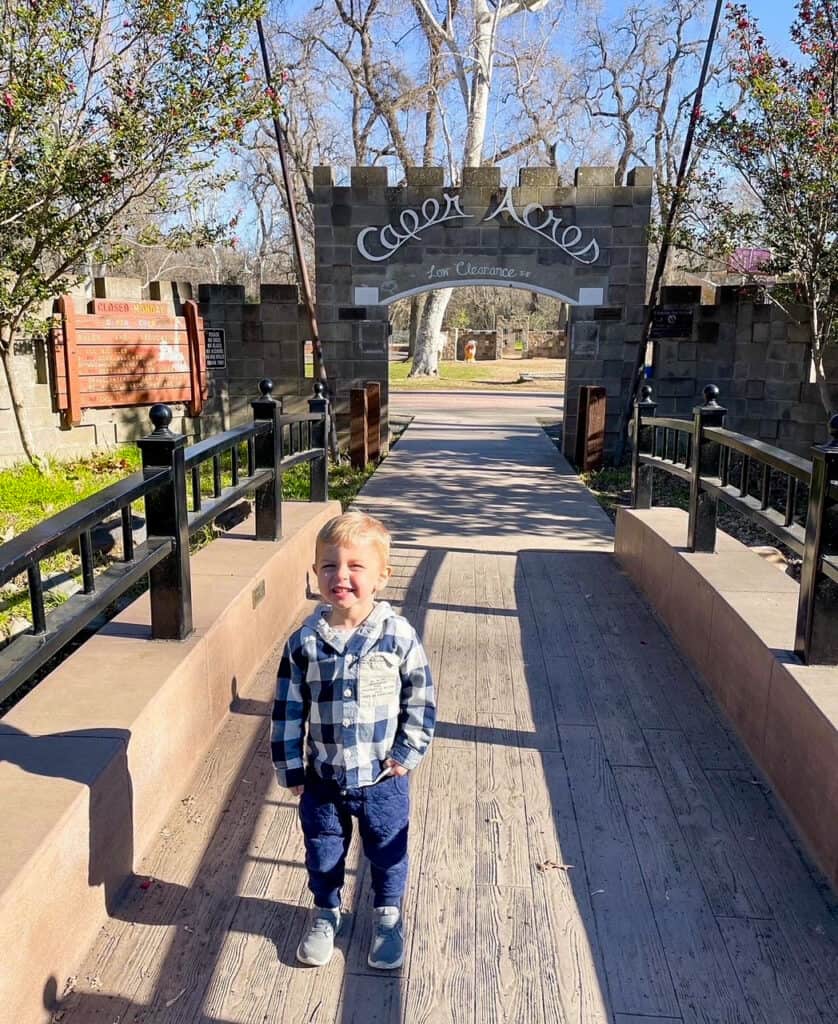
(356, 674)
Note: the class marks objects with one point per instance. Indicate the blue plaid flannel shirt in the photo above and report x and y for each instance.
(365, 699)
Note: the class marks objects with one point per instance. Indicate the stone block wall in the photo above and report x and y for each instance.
(487, 342)
(756, 353)
(546, 345)
(263, 339)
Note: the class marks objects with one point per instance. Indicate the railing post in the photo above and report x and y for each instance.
(267, 451)
(701, 529)
(641, 476)
(816, 636)
(319, 468)
(170, 583)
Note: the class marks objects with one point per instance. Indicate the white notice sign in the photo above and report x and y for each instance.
(216, 348)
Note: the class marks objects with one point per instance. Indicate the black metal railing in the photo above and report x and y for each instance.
(271, 445)
(793, 499)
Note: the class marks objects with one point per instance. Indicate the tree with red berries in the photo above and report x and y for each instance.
(108, 110)
(782, 144)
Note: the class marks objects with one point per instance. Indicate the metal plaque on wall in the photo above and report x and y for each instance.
(585, 339)
(672, 323)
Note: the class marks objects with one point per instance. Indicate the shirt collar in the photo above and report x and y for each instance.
(369, 629)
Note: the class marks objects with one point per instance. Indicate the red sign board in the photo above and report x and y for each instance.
(127, 353)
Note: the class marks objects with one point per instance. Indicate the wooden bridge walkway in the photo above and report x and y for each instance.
(589, 842)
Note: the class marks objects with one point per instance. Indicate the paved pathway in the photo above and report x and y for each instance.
(589, 843)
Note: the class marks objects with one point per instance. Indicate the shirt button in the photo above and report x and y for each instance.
(347, 692)
(346, 723)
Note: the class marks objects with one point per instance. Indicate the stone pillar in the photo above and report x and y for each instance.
(603, 343)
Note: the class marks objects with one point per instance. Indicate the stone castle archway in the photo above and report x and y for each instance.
(584, 244)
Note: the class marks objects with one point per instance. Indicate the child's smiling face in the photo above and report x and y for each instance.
(349, 576)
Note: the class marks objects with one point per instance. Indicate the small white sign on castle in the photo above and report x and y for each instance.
(366, 296)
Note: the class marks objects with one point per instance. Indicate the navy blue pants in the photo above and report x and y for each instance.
(383, 810)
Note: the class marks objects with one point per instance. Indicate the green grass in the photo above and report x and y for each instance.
(498, 374)
(27, 496)
(448, 372)
(344, 482)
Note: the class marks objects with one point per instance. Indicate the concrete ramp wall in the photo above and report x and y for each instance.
(92, 760)
(734, 615)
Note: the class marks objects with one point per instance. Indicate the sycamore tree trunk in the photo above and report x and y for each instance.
(426, 356)
(427, 348)
(416, 305)
(481, 84)
(826, 389)
(15, 393)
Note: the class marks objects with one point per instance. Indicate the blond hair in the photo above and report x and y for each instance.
(356, 528)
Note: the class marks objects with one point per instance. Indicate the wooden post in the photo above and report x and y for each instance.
(358, 435)
(72, 414)
(197, 362)
(373, 420)
(590, 428)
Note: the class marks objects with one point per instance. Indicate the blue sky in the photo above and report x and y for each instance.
(774, 16)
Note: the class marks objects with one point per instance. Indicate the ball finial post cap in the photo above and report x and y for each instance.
(711, 393)
(319, 389)
(266, 386)
(160, 416)
(645, 392)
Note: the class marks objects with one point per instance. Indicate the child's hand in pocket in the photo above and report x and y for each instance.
(395, 767)
(297, 790)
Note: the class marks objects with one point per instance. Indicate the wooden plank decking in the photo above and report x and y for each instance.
(589, 843)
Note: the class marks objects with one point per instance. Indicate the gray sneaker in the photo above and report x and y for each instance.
(319, 941)
(387, 946)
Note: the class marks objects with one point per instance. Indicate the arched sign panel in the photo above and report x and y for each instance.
(584, 244)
